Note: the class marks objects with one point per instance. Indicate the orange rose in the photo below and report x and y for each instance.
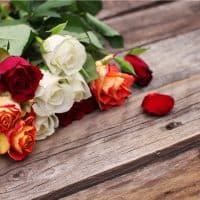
(10, 113)
(22, 138)
(112, 87)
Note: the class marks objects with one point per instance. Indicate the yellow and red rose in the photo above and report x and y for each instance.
(17, 133)
(10, 113)
(22, 139)
(112, 87)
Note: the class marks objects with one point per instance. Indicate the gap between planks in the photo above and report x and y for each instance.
(119, 137)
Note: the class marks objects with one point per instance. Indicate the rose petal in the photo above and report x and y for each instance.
(4, 144)
(78, 111)
(158, 104)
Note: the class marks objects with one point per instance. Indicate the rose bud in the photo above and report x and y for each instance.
(78, 111)
(158, 104)
(4, 144)
(22, 139)
(10, 113)
(112, 87)
(20, 78)
(144, 74)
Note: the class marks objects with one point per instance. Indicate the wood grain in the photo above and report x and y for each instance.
(174, 179)
(156, 23)
(113, 8)
(102, 146)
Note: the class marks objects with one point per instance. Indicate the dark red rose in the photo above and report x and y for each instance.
(78, 111)
(158, 104)
(144, 74)
(19, 77)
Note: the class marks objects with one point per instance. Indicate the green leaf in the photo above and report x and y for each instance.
(3, 54)
(17, 35)
(57, 29)
(137, 51)
(74, 24)
(25, 5)
(48, 5)
(103, 28)
(116, 41)
(89, 6)
(94, 40)
(113, 36)
(124, 65)
(86, 37)
(89, 69)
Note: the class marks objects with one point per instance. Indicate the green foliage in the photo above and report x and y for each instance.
(89, 6)
(49, 7)
(3, 54)
(113, 36)
(124, 65)
(89, 69)
(46, 17)
(137, 51)
(57, 29)
(17, 35)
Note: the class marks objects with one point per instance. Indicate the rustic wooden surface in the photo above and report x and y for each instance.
(158, 22)
(124, 144)
(172, 179)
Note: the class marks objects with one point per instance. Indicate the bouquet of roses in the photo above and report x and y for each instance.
(53, 73)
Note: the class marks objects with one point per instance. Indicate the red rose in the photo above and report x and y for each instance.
(144, 74)
(78, 111)
(158, 104)
(112, 87)
(19, 77)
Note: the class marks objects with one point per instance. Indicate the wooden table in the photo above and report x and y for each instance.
(124, 154)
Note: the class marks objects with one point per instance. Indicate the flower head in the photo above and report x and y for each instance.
(22, 139)
(10, 113)
(64, 54)
(142, 70)
(20, 78)
(112, 87)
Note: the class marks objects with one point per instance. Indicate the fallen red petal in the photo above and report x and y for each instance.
(158, 104)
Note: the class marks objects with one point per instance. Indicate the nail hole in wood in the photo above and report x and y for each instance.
(173, 125)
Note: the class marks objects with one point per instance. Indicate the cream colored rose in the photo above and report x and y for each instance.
(80, 87)
(54, 95)
(45, 126)
(64, 54)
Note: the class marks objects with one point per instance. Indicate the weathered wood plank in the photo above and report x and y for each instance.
(157, 23)
(104, 145)
(113, 8)
(174, 179)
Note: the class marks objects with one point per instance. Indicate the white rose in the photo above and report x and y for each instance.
(45, 126)
(54, 95)
(80, 87)
(64, 54)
